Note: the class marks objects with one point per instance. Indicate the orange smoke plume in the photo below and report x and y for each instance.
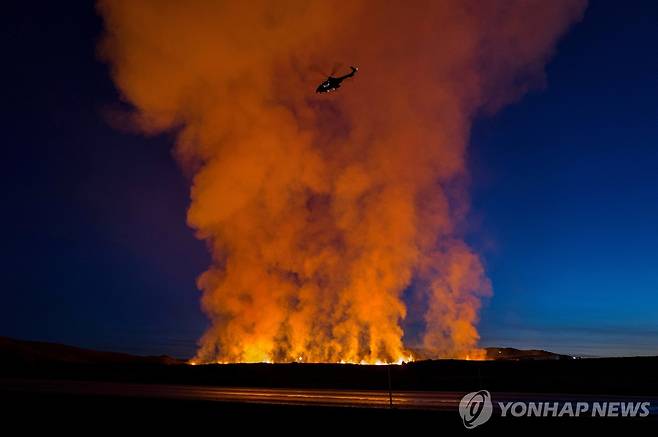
(320, 210)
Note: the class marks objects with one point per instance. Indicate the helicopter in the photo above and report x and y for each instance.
(333, 83)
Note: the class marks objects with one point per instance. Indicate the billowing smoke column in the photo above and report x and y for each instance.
(320, 210)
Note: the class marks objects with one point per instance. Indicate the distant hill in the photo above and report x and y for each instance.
(509, 353)
(16, 352)
(501, 354)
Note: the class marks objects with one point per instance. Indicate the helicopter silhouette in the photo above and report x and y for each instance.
(333, 83)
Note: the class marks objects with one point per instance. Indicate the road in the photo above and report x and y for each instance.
(425, 400)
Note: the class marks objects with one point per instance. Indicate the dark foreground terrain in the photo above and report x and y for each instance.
(83, 390)
(125, 415)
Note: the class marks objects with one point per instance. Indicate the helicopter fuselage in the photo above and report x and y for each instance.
(333, 83)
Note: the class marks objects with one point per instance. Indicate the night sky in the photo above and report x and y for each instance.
(564, 188)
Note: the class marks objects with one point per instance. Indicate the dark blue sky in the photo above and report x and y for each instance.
(565, 198)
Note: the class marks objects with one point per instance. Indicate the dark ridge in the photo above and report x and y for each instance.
(520, 371)
(29, 353)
